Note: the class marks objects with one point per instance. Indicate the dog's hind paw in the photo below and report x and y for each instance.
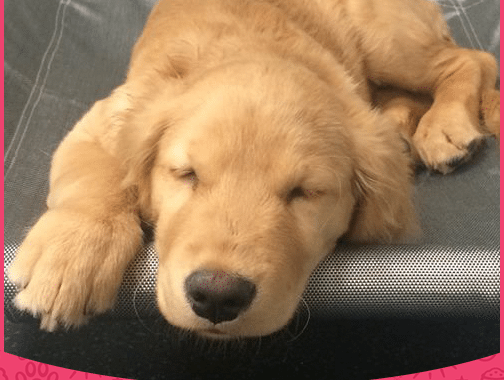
(446, 139)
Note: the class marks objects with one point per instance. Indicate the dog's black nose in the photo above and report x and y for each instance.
(217, 295)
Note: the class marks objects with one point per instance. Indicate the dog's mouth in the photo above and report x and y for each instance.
(213, 333)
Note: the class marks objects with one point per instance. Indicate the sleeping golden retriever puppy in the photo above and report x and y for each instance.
(246, 133)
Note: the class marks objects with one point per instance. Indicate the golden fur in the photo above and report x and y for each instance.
(253, 135)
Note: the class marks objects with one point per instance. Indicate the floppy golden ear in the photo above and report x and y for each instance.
(139, 137)
(384, 211)
(141, 156)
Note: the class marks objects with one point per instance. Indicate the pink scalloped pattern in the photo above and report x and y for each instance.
(16, 368)
(489, 368)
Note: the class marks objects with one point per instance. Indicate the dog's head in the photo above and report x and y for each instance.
(251, 173)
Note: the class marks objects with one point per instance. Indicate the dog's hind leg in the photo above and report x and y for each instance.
(407, 44)
(404, 109)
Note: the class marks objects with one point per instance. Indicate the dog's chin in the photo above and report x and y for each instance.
(215, 333)
(227, 331)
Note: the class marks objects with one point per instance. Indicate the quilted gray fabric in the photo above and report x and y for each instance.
(62, 55)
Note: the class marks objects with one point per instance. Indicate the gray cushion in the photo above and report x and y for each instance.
(61, 56)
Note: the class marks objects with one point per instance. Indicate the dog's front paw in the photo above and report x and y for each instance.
(70, 267)
(446, 138)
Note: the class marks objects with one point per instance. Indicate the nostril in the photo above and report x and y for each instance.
(218, 296)
(231, 303)
(198, 296)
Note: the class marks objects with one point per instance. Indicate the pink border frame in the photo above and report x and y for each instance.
(13, 367)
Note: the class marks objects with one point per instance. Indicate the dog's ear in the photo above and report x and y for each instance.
(141, 131)
(140, 158)
(384, 210)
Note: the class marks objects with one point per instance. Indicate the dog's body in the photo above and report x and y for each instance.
(245, 132)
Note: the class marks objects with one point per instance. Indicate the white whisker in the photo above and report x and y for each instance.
(306, 323)
(134, 305)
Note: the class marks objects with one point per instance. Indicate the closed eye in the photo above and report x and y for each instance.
(297, 192)
(186, 175)
(300, 193)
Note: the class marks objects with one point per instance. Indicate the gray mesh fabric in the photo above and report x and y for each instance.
(60, 56)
